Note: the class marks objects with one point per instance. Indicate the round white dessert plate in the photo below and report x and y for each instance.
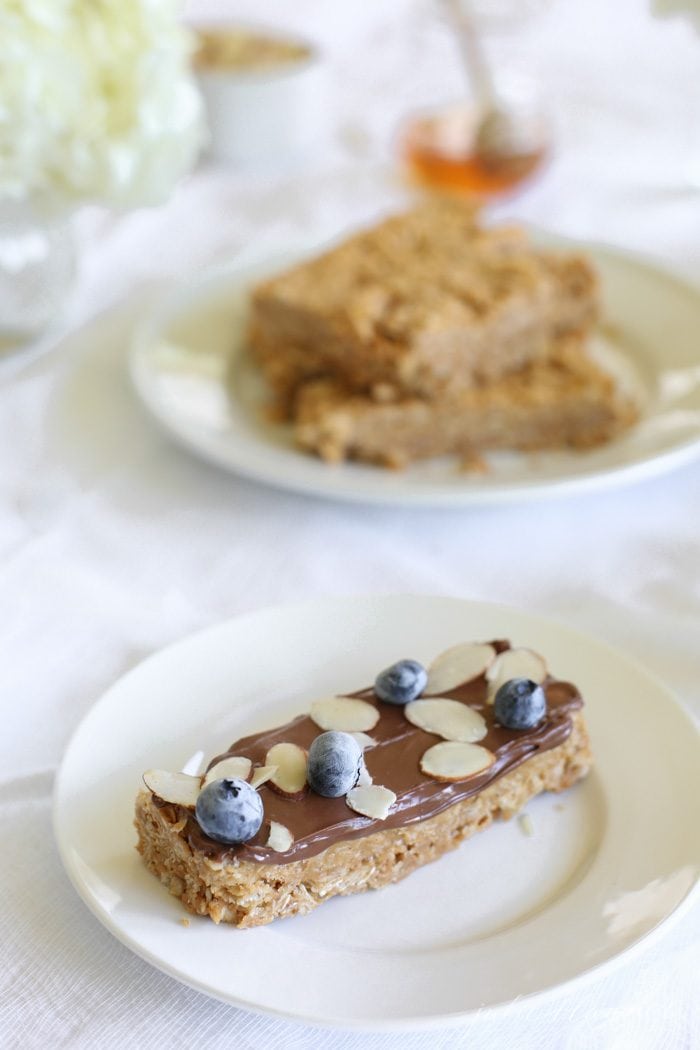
(526, 907)
(191, 369)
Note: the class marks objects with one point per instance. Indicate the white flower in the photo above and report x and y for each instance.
(97, 102)
(668, 8)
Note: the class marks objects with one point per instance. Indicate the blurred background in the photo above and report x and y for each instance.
(618, 87)
(585, 117)
(618, 84)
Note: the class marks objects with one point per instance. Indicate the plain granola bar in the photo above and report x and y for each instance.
(425, 303)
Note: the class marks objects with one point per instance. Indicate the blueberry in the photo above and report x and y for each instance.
(402, 682)
(520, 704)
(334, 764)
(229, 810)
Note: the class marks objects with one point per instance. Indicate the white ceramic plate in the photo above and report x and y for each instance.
(191, 370)
(505, 916)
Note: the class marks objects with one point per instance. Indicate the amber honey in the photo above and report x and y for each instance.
(443, 156)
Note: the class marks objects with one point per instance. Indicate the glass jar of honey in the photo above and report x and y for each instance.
(496, 137)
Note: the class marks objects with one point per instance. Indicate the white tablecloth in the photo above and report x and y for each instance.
(113, 542)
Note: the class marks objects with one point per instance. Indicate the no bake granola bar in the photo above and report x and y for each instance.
(425, 303)
(564, 401)
(483, 731)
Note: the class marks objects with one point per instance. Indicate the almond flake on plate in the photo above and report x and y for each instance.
(345, 714)
(454, 760)
(179, 788)
(515, 663)
(280, 838)
(525, 824)
(449, 719)
(261, 774)
(462, 663)
(371, 800)
(235, 767)
(289, 779)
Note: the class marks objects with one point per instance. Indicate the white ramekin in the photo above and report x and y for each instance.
(267, 116)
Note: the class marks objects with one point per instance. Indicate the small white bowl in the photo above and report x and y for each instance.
(262, 116)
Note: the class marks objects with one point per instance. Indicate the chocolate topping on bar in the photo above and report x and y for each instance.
(316, 822)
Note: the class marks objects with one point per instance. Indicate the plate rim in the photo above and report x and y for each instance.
(407, 1023)
(650, 466)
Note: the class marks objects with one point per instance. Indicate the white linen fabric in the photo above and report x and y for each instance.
(113, 542)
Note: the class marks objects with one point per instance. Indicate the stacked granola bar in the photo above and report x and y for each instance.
(430, 334)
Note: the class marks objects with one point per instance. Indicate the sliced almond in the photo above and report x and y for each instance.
(193, 765)
(280, 837)
(454, 760)
(460, 664)
(344, 713)
(289, 779)
(179, 788)
(515, 663)
(261, 774)
(371, 800)
(447, 718)
(365, 777)
(235, 767)
(364, 740)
